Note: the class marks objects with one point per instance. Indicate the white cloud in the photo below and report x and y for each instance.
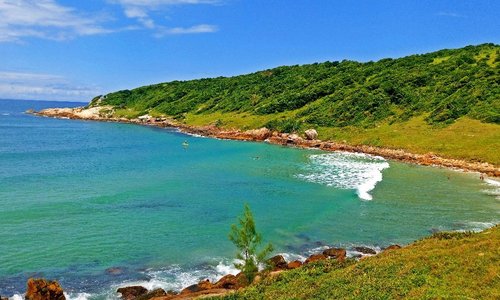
(203, 28)
(450, 14)
(140, 10)
(24, 85)
(44, 19)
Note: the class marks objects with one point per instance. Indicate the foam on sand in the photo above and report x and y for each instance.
(344, 170)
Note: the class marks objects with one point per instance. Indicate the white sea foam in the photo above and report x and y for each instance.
(175, 278)
(78, 296)
(478, 226)
(493, 188)
(17, 297)
(346, 171)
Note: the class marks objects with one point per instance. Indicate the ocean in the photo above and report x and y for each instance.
(99, 205)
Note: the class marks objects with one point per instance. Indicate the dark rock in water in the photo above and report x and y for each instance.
(303, 237)
(42, 289)
(337, 253)
(319, 244)
(132, 292)
(278, 262)
(392, 247)
(315, 257)
(365, 250)
(3, 298)
(294, 264)
(434, 230)
(114, 271)
(154, 293)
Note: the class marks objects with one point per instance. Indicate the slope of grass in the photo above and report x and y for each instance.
(445, 266)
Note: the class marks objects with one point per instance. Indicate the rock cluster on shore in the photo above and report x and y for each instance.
(43, 289)
(105, 113)
(230, 283)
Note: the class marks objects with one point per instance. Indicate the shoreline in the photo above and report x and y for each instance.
(277, 138)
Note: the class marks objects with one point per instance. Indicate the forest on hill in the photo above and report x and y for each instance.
(442, 86)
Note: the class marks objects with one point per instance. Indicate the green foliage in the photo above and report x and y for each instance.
(443, 85)
(247, 240)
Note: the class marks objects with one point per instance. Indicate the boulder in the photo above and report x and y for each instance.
(227, 282)
(205, 285)
(153, 294)
(42, 289)
(278, 262)
(311, 134)
(132, 292)
(392, 247)
(294, 264)
(194, 288)
(364, 250)
(231, 282)
(315, 257)
(114, 271)
(337, 253)
(260, 134)
(4, 298)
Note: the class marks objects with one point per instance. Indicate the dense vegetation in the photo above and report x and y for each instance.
(446, 102)
(446, 85)
(446, 266)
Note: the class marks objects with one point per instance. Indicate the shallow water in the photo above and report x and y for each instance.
(78, 198)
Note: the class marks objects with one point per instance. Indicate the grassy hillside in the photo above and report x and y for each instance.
(445, 266)
(351, 101)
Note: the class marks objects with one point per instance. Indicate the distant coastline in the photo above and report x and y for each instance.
(104, 114)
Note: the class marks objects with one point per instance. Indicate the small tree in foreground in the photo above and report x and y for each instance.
(247, 240)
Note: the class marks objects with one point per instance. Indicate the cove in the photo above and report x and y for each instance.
(97, 205)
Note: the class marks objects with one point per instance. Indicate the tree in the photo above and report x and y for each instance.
(247, 240)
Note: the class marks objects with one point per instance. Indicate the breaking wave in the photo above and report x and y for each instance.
(346, 170)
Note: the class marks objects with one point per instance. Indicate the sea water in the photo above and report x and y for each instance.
(101, 205)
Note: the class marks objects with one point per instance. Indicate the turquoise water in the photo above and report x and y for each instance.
(78, 198)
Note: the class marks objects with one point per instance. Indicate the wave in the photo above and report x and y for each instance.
(346, 170)
(493, 188)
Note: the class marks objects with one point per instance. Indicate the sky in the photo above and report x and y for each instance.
(75, 50)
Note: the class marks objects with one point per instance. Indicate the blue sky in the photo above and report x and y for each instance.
(74, 50)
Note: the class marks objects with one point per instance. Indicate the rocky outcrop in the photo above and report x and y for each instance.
(315, 257)
(259, 134)
(42, 289)
(337, 253)
(364, 250)
(153, 294)
(132, 292)
(311, 134)
(294, 264)
(278, 262)
(392, 247)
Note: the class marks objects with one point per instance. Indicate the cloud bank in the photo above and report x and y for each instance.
(39, 86)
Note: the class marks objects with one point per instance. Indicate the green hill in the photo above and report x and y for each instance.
(445, 266)
(447, 102)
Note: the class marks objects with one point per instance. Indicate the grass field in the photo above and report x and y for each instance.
(445, 266)
(466, 138)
